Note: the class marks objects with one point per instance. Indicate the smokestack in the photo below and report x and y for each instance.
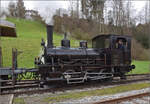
(49, 36)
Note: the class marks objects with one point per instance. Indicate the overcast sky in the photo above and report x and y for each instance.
(32, 4)
(51, 5)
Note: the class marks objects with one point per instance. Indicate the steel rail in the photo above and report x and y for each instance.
(121, 99)
(35, 84)
(147, 74)
(53, 90)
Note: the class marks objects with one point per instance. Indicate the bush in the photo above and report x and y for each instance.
(138, 52)
(141, 34)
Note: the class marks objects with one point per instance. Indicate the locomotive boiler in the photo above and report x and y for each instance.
(103, 61)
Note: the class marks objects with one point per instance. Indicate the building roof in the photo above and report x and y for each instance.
(7, 29)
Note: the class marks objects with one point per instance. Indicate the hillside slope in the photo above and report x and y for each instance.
(28, 41)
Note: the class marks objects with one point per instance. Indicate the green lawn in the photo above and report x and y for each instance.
(141, 67)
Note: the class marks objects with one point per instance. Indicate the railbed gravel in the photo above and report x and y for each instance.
(74, 90)
(93, 99)
(37, 98)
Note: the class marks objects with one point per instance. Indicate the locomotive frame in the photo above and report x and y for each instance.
(76, 65)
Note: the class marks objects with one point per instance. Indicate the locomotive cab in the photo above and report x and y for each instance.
(121, 50)
(121, 55)
(118, 52)
(118, 47)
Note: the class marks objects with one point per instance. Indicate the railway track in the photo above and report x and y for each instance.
(32, 86)
(123, 99)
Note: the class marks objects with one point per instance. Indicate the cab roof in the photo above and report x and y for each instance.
(110, 35)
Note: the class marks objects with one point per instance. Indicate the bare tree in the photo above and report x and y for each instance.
(58, 12)
(93, 10)
(71, 7)
(128, 13)
(121, 11)
(77, 8)
(118, 12)
(20, 9)
(12, 9)
(147, 12)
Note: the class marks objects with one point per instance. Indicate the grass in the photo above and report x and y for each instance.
(141, 67)
(78, 95)
(28, 41)
(19, 101)
(99, 92)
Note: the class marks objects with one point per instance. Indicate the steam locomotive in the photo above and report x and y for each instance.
(77, 65)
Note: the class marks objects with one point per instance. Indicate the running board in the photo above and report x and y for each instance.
(71, 80)
(97, 78)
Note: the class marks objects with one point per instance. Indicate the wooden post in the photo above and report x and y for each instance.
(14, 65)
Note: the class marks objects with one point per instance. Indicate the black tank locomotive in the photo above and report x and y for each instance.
(77, 65)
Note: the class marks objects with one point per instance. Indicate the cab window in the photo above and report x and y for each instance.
(121, 43)
(106, 43)
(101, 42)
